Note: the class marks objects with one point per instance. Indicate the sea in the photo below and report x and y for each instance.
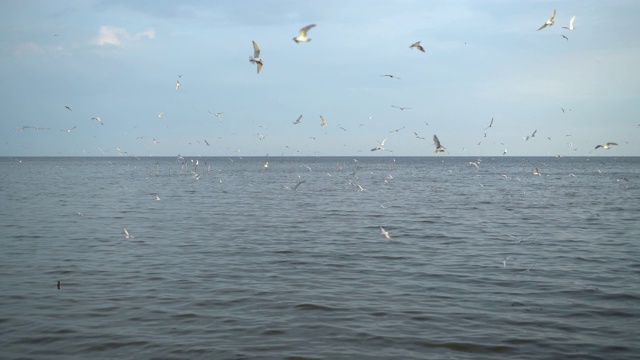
(285, 257)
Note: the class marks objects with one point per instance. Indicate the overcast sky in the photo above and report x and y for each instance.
(120, 60)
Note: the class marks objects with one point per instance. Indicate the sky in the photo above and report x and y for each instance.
(119, 60)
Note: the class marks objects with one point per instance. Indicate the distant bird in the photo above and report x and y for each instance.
(178, 84)
(324, 122)
(302, 36)
(566, 38)
(391, 76)
(401, 107)
(418, 136)
(255, 59)
(97, 118)
(536, 172)
(570, 28)
(530, 136)
(298, 120)
(58, 285)
(157, 197)
(439, 147)
(606, 146)
(206, 142)
(127, 235)
(160, 114)
(69, 130)
(266, 165)
(491, 123)
(218, 115)
(68, 108)
(505, 151)
(156, 141)
(295, 188)
(396, 130)
(385, 233)
(549, 22)
(416, 45)
(381, 146)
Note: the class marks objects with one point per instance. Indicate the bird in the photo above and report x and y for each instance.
(566, 38)
(324, 122)
(418, 136)
(157, 197)
(381, 146)
(295, 188)
(127, 235)
(391, 76)
(266, 165)
(549, 22)
(401, 107)
(491, 123)
(530, 136)
(302, 37)
(97, 118)
(570, 28)
(218, 115)
(385, 233)
(178, 84)
(298, 120)
(68, 108)
(206, 142)
(505, 151)
(58, 285)
(160, 114)
(68, 130)
(417, 45)
(606, 146)
(255, 59)
(536, 172)
(439, 147)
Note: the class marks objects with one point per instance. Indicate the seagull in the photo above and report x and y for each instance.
(157, 197)
(295, 188)
(58, 285)
(606, 146)
(381, 146)
(396, 130)
(69, 130)
(302, 37)
(548, 22)
(206, 142)
(418, 136)
(570, 28)
(536, 172)
(385, 233)
(255, 59)
(491, 123)
(68, 108)
(530, 136)
(127, 235)
(218, 115)
(391, 76)
(417, 45)
(566, 38)
(97, 118)
(400, 107)
(298, 120)
(324, 122)
(177, 84)
(505, 151)
(160, 114)
(439, 147)
(266, 165)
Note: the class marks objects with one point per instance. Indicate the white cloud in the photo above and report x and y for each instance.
(120, 37)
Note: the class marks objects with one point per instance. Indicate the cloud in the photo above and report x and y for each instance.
(120, 37)
(26, 49)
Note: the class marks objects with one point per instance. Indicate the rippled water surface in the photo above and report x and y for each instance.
(231, 262)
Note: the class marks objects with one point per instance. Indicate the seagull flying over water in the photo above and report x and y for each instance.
(381, 146)
(606, 146)
(255, 59)
(570, 28)
(127, 235)
(549, 22)
(416, 45)
(385, 233)
(439, 147)
(302, 37)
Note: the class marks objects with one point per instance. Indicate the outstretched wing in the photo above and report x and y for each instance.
(436, 141)
(303, 31)
(256, 50)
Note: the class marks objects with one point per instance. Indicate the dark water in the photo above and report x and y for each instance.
(236, 264)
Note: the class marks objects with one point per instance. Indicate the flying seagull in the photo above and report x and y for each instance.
(69, 130)
(127, 235)
(391, 76)
(298, 120)
(570, 28)
(68, 108)
(381, 146)
(324, 122)
(295, 188)
(531, 136)
(178, 84)
(417, 45)
(400, 107)
(97, 118)
(606, 146)
(491, 123)
(255, 59)
(385, 233)
(548, 22)
(439, 147)
(566, 38)
(302, 37)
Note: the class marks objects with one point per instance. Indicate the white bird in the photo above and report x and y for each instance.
(381, 146)
(266, 165)
(570, 28)
(302, 37)
(549, 22)
(385, 233)
(606, 146)
(255, 59)
(536, 172)
(401, 107)
(324, 122)
(298, 120)
(157, 196)
(127, 235)
(416, 45)
(97, 118)
(178, 84)
(439, 147)
(69, 130)
(160, 114)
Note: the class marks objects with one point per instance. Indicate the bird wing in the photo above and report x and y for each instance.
(612, 143)
(436, 141)
(259, 66)
(416, 44)
(383, 141)
(552, 17)
(324, 122)
(573, 18)
(256, 50)
(534, 133)
(303, 31)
